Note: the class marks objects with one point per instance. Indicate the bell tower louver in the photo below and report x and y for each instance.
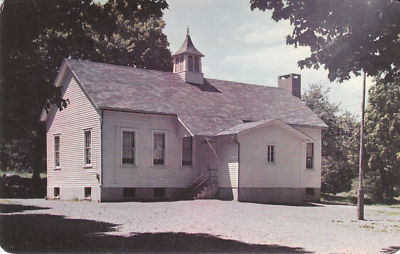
(187, 62)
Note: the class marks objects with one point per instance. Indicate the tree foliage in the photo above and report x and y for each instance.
(338, 168)
(345, 36)
(383, 139)
(38, 34)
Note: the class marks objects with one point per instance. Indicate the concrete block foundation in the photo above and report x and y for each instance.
(141, 194)
(278, 195)
(74, 193)
(270, 195)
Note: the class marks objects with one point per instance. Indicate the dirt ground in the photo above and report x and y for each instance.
(38, 225)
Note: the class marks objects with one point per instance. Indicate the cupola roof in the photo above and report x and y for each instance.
(188, 47)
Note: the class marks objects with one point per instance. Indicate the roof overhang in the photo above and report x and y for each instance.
(44, 115)
(246, 127)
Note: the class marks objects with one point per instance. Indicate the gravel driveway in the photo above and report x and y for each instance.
(195, 226)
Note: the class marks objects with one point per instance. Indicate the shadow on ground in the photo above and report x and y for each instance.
(13, 208)
(50, 233)
(391, 249)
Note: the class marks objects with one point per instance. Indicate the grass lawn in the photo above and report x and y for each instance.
(349, 198)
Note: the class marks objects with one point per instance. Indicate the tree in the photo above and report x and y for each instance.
(40, 34)
(383, 139)
(345, 37)
(338, 169)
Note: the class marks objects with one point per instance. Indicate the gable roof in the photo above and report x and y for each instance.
(188, 47)
(244, 127)
(206, 109)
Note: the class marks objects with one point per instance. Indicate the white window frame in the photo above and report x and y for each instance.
(59, 151)
(87, 165)
(135, 148)
(273, 153)
(191, 165)
(312, 156)
(165, 149)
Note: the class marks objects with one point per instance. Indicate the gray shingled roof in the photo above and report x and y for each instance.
(206, 109)
(188, 47)
(243, 127)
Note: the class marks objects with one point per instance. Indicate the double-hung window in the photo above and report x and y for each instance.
(57, 151)
(128, 147)
(159, 148)
(88, 147)
(310, 155)
(187, 151)
(270, 153)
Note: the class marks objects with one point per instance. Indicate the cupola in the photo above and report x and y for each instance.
(187, 62)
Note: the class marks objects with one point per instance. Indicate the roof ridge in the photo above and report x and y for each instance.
(117, 65)
(244, 83)
(150, 70)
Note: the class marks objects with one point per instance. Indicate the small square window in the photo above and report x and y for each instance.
(129, 192)
(159, 192)
(56, 192)
(310, 191)
(88, 192)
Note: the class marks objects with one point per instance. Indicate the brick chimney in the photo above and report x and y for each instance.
(291, 82)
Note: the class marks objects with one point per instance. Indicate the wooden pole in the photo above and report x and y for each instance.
(360, 194)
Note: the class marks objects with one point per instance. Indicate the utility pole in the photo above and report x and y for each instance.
(360, 194)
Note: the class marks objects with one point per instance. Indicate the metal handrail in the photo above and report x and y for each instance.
(204, 174)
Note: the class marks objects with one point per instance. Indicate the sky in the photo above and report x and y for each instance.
(248, 46)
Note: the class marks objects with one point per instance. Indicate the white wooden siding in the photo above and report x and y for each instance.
(311, 177)
(144, 173)
(70, 124)
(228, 163)
(257, 172)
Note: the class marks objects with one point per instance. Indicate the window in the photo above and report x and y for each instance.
(88, 147)
(310, 191)
(190, 63)
(196, 64)
(270, 153)
(88, 192)
(159, 148)
(187, 144)
(129, 192)
(56, 192)
(181, 68)
(159, 192)
(310, 155)
(57, 151)
(128, 147)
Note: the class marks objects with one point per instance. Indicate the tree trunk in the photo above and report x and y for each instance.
(360, 196)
